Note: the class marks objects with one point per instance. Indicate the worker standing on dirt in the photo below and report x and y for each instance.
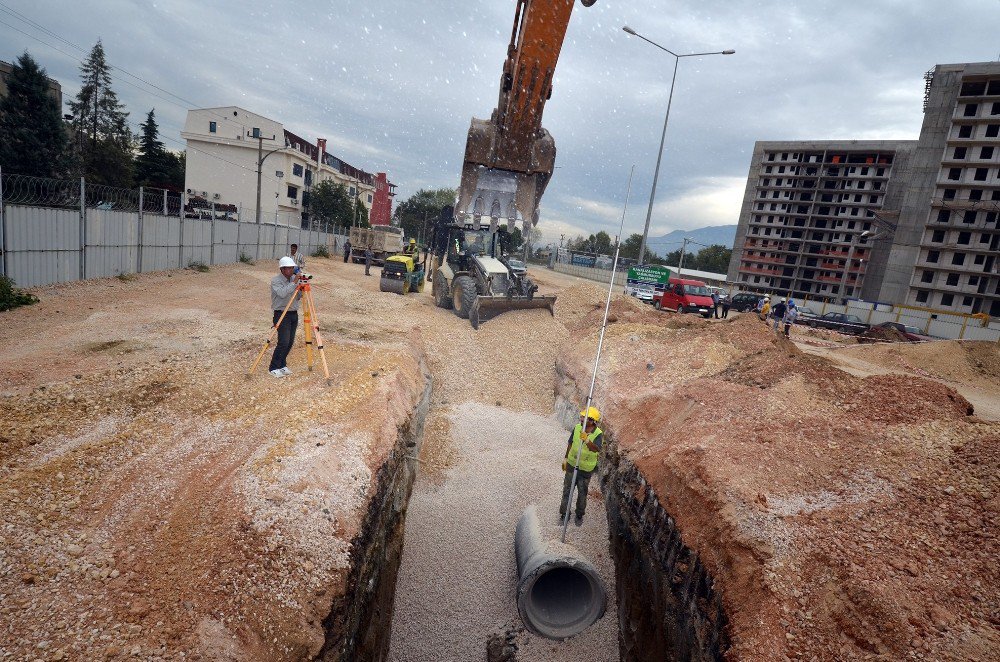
(715, 304)
(725, 305)
(283, 288)
(765, 309)
(368, 259)
(778, 313)
(300, 262)
(791, 314)
(347, 250)
(590, 437)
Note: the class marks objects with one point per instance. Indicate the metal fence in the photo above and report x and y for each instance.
(54, 231)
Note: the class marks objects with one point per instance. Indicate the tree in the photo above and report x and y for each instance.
(100, 126)
(32, 138)
(330, 204)
(630, 249)
(360, 214)
(154, 165)
(714, 258)
(416, 214)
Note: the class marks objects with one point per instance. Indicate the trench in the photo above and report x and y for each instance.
(667, 605)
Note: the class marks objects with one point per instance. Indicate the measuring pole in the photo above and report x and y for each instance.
(597, 359)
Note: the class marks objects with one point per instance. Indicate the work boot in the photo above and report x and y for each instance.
(579, 519)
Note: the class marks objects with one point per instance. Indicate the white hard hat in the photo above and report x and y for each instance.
(782, 299)
(286, 262)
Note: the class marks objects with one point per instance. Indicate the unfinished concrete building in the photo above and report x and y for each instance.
(806, 207)
(946, 250)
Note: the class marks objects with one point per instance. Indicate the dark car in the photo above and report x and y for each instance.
(745, 301)
(911, 333)
(806, 314)
(841, 322)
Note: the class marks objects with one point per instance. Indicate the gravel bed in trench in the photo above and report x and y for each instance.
(458, 574)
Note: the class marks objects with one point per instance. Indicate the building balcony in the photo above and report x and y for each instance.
(760, 272)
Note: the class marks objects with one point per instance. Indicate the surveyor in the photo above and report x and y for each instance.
(368, 259)
(300, 262)
(585, 442)
(283, 289)
(347, 250)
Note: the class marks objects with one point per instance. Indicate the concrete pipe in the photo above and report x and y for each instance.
(559, 593)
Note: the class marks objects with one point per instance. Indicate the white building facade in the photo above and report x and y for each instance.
(223, 147)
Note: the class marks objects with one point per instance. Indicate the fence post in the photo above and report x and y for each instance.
(138, 248)
(239, 224)
(166, 209)
(180, 232)
(3, 231)
(965, 323)
(211, 250)
(83, 229)
(274, 251)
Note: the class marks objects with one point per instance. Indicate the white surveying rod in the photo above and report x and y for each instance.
(597, 359)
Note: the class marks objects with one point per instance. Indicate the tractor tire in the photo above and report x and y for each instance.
(442, 298)
(463, 295)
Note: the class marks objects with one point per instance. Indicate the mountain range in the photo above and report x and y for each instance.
(716, 234)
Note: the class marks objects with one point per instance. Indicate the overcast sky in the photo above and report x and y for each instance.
(392, 85)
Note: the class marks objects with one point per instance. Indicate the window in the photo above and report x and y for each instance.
(984, 238)
(927, 277)
(967, 301)
(991, 217)
(995, 110)
(943, 215)
(970, 109)
(947, 299)
(954, 174)
(986, 153)
(973, 89)
(976, 194)
(973, 280)
(981, 174)
(965, 131)
(351, 191)
(993, 87)
(958, 259)
(369, 197)
(932, 256)
(952, 279)
(937, 237)
(297, 169)
(970, 217)
(293, 192)
(992, 130)
(211, 127)
(960, 152)
(921, 296)
(964, 237)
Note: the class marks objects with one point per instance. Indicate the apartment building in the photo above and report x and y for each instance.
(812, 213)
(223, 146)
(946, 251)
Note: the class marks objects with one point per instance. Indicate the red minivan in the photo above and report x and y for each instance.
(685, 296)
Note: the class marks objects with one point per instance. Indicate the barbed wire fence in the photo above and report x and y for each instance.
(58, 230)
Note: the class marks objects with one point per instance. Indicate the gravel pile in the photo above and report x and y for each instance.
(458, 575)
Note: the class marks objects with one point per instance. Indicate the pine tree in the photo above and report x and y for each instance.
(100, 122)
(32, 138)
(153, 165)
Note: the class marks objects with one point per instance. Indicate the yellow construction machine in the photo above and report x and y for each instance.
(509, 160)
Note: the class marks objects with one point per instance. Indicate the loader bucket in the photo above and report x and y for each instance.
(486, 308)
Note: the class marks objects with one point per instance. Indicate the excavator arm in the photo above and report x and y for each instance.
(510, 157)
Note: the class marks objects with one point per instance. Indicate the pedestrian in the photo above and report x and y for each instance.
(778, 313)
(368, 259)
(715, 304)
(791, 314)
(725, 305)
(765, 308)
(284, 288)
(585, 442)
(347, 250)
(300, 261)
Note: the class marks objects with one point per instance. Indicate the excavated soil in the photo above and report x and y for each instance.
(839, 517)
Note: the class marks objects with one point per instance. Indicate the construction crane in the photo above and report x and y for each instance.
(509, 160)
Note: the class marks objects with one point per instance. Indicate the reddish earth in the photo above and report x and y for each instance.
(840, 517)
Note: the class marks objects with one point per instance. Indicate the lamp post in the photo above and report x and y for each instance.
(663, 135)
(260, 160)
(866, 235)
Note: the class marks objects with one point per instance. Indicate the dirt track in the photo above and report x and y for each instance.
(162, 503)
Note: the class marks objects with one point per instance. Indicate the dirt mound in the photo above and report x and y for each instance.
(951, 360)
(882, 334)
(839, 516)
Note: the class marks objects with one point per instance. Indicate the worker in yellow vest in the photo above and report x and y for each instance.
(590, 437)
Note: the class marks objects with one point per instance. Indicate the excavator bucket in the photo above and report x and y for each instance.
(486, 308)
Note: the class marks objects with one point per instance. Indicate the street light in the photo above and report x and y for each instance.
(659, 154)
(866, 235)
(260, 163)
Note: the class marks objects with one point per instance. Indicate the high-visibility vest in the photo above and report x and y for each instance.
(588, 458)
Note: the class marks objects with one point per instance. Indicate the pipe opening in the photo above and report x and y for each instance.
(560, 599)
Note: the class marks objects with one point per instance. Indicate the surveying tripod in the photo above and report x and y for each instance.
(310, 328)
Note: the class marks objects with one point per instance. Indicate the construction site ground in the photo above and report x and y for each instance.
(159, 504)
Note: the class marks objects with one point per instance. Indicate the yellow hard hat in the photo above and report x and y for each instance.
(592, 414)
(413, 241)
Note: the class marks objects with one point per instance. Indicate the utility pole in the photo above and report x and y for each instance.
(260, 160)
(680, 265)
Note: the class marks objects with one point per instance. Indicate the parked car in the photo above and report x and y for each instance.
(744, 301)
(518, 267)
(911, 333)
(806, 314)
(685, 296)
(841, 322)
